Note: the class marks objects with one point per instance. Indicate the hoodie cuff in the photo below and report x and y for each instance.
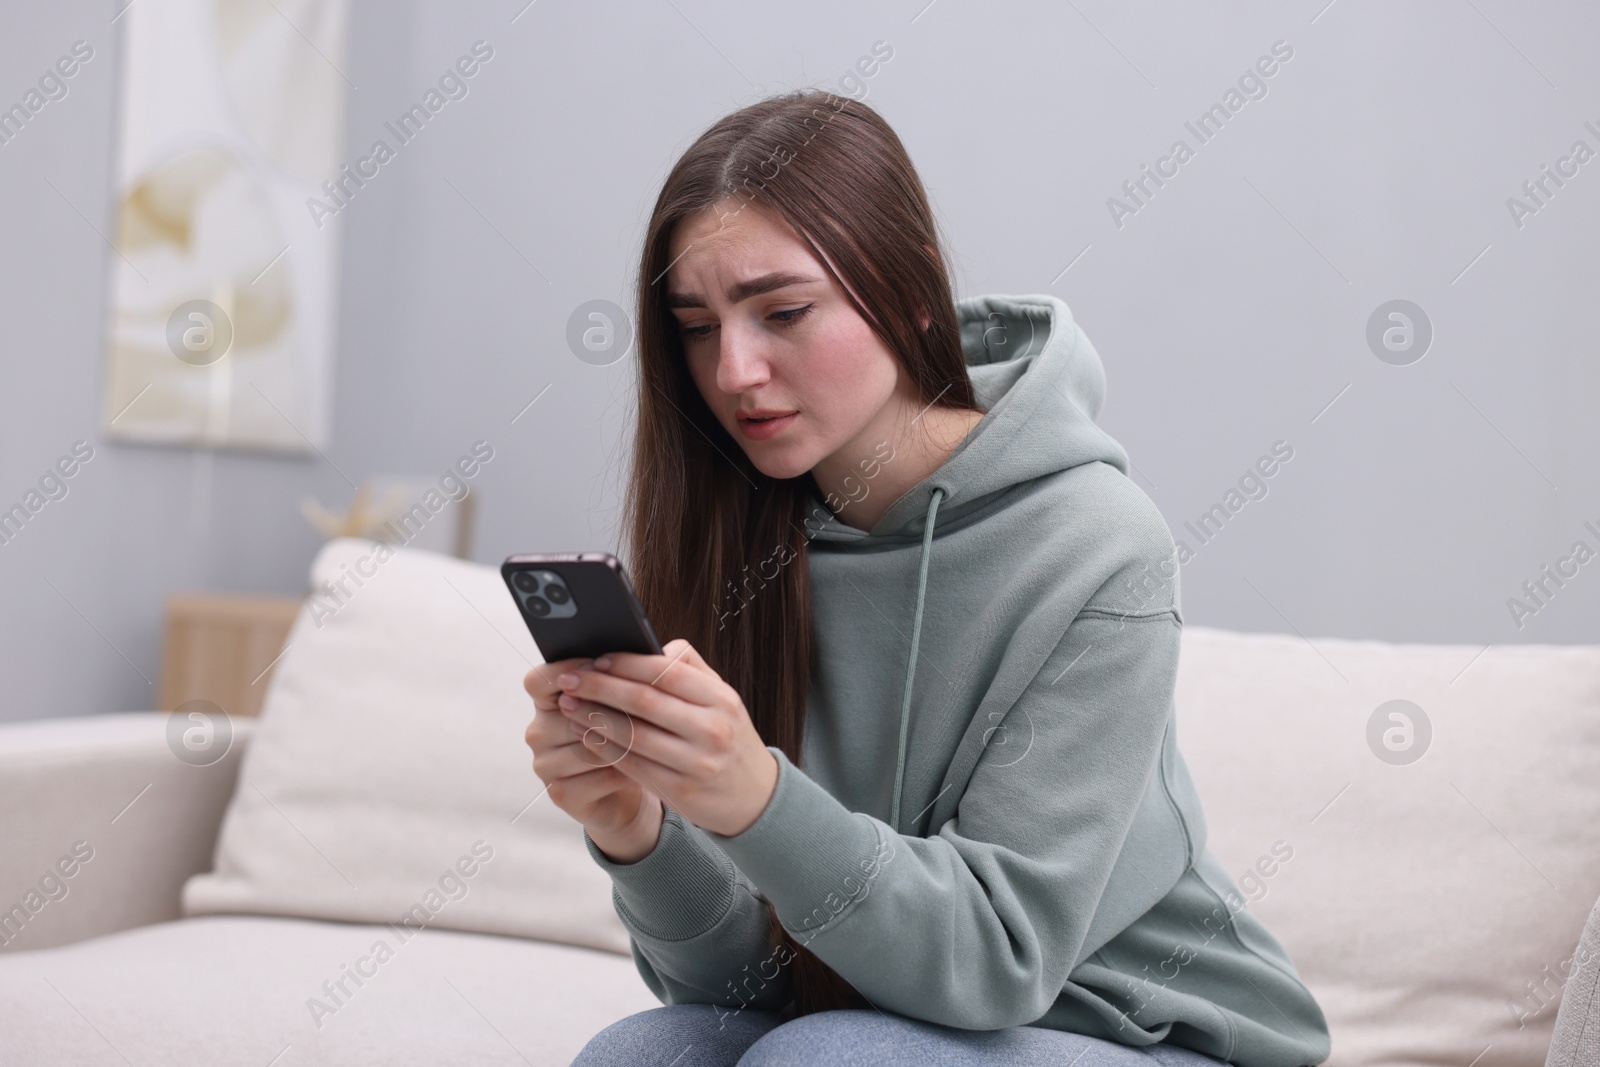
(680, 890)
(809, 855)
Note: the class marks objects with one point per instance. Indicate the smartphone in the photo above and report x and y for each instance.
(578, 605)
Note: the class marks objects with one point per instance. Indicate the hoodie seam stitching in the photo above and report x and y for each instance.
(1191, 853)
(1122, 616)
(1233, 934)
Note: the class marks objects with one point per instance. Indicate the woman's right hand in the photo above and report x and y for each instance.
(577, 766)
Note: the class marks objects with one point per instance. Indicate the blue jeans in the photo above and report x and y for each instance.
(692, 1035)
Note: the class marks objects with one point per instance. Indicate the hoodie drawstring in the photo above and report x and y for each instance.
(911, 665)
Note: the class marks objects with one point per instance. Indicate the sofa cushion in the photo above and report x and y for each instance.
(388, 778)
(1432, 906)
(250, 990)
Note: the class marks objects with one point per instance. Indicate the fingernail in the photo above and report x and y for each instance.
(567, 681)
(567, 703)
(603, 662)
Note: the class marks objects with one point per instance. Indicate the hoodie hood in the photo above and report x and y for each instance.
(1041, 385)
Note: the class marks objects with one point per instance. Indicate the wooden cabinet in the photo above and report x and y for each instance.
(222, 647)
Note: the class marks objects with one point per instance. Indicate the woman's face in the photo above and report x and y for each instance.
(767, 332)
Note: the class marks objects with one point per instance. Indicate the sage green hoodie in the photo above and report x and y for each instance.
(991, 824)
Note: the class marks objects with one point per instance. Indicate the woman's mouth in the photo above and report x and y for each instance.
(759, 429)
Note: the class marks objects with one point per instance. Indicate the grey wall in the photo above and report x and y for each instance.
(1230, 310)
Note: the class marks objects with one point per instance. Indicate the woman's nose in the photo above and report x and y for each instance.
(741, 365)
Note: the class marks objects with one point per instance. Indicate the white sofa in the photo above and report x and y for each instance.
(233, 913)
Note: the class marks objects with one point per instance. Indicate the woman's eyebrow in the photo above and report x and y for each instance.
(754, 287)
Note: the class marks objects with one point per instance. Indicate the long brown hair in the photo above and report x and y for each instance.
(718, 549)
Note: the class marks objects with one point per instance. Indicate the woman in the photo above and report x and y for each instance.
(907, 775)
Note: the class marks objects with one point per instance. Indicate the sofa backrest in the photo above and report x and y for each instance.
(1445, 850)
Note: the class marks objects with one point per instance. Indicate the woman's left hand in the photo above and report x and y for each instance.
(671, 723)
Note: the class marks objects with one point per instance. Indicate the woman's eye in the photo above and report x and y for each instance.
(792, 314)
(786, 317)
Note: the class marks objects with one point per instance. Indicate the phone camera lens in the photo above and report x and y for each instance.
(556, 593)
(526, 581)
(538, 606)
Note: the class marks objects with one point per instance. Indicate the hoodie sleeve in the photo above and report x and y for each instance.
(979, 925)
(698, 928)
